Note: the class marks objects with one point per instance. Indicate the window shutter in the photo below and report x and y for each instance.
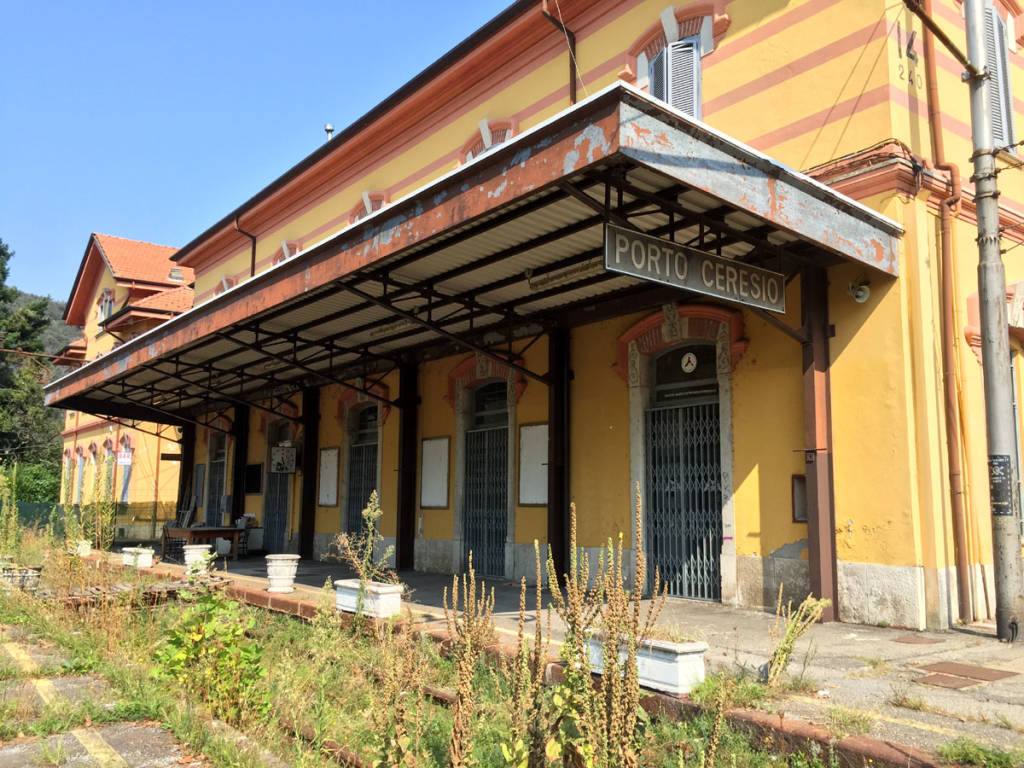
(657, 75)
(684, 76)
(1000, 99)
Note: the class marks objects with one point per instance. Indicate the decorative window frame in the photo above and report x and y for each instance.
(487, 138)
(706, 20)
(288, 249)
(369, 203)
(638, 346)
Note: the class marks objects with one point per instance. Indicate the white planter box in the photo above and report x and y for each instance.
(83, 548)
(382, 601)
(128, 556)
(194, 554)
(675, 668)
(281, 570)
(143, 557)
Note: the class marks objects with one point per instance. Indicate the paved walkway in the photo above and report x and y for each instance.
(32, 688)
(878, 671)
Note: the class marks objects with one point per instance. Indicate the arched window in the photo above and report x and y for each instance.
(370, 202)
(362, 464)
(491, 134)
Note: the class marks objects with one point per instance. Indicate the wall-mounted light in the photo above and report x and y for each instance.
(860, 291)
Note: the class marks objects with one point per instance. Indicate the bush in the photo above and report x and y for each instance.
(39, 483)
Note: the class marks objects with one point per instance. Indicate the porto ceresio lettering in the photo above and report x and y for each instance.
(662, 261)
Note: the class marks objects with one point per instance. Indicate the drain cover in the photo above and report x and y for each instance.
(984, 674)
(947, 681)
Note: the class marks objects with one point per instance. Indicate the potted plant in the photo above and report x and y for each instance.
(376, 591)
(281, 570)
(197, 559)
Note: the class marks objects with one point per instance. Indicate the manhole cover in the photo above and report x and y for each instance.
(916, 640)
(985, 674)
(947, 681)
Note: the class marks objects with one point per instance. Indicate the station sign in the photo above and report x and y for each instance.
(662, 261)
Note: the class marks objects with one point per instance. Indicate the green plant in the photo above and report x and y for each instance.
(10, 527)
(901, 697)
(99, 522)
(209, 652)
(843, 721)
(965, 751)
(471, 630)
(794, 625)
(357, 549)
(744, 691)
(52, 751)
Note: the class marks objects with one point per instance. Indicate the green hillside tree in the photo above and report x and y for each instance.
(29, 432)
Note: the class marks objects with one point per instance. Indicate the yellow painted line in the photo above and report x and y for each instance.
(102, 752)
(894, 720)
(22, 659)
(46, 690)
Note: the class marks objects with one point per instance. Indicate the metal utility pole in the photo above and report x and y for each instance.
(995, 345)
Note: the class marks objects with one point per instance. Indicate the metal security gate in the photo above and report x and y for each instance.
(486, 516)
(684, 499)
(485, 510)
(362, 467)
(275, 502)
(214, 512)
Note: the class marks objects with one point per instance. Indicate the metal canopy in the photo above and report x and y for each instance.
(503, 248)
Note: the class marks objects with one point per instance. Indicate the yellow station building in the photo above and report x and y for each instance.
(721, 250)
(123, 289)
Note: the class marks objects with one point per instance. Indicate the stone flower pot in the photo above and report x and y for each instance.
(129, 556)
(675, 668)
(28, 577)
(195, 555)
(82, 548)
(382, 600)
(281, 570)
(144, 557)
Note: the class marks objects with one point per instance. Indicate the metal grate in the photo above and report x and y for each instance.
(485, 516)
(362, 481)
(684, 500)
(276, 517)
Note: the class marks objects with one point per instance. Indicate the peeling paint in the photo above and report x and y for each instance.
(792, 551)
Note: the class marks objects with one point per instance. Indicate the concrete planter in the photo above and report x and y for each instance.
(195, 558)
(137, 557)
(20, 577)
(381, 601)
(82, 548)
(675, 668)
(281, 570)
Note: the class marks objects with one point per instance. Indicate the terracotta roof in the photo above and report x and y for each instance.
(173, 300)
(138, 260)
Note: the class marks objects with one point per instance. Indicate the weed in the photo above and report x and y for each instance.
(357, 549)
(843, 721)
(744, 691)
(793, 626)
(901, 696)
(209, 653)
(966, 751)
(52, 751)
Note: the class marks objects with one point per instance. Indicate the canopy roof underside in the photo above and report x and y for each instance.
(502, 248)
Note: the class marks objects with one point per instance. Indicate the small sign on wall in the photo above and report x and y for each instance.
(328, 496)
(124, 458)
(282, 459)
(434, 473)
(533, 464)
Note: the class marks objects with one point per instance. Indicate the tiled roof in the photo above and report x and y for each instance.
(172, 300)
(138, 260)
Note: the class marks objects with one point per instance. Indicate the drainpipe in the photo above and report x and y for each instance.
(946, 212)
(252, 258)
(570, 38)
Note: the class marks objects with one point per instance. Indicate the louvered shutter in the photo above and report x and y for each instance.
(656, 74)
(684, 76)
(1000, 100)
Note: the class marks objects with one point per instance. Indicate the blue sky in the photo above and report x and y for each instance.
(152, 120)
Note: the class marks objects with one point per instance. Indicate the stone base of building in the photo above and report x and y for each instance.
(758, 580)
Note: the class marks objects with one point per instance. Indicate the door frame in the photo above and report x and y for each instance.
(270, 442)
(679, 325)
(464, 389)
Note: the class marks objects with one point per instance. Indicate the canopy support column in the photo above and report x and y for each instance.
(818, 439)
(408, 432)
(310, 459)
(240, 434)
(559, 375)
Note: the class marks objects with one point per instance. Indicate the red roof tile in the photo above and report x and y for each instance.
(138, 260)
(173, 300)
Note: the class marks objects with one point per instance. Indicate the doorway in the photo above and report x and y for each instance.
(216, 480)
(485, 500)
(277, 497)
(362, 467)
(683, 474)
